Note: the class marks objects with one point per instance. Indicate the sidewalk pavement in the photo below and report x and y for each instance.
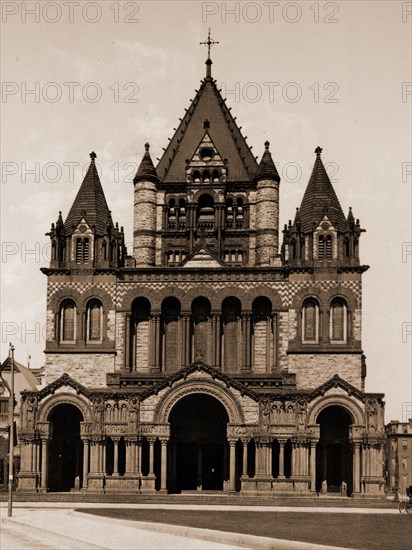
(43, 526)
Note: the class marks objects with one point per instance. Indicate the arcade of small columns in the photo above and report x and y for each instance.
(233, 340)
(367, 459)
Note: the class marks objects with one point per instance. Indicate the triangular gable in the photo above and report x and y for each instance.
(202, 256)
(337, 382)
(205, 142)
(64, 380)
(203, 368)
(207, 111)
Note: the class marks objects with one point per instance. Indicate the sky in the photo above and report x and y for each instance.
(109, 76)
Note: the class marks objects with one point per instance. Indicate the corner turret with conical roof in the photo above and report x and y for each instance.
(88, 238)
(267, 210)
(145, 203)
(320, 233)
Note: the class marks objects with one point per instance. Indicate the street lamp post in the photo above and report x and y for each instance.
(11, 433)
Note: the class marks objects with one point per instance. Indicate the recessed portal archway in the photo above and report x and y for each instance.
(334, 453)
(198, 444)
(65, 463)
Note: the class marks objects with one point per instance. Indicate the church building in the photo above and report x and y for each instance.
(221, 354)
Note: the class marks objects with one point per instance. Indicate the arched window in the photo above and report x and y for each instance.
(329, 247)
(310, 321)
(231, 309)
(82, 250)
(338, 321)
(215, 175)
(293, 249)
(68, 321)
(170, 327)
(206, 213)
(196, 176)
(140, 357)
(201, 309)
(94, 321)
(321, 247)
(206, 176)
(239, 213)
(262, 334)
(104, 251)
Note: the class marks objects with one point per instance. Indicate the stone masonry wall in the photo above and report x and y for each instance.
(312, 370)
(88, 369)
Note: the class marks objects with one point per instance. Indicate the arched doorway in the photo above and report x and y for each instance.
(65, 465)
(334, 453)
(198, 453)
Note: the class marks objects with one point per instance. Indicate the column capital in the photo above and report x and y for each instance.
(164, 441)
(246, 314)
(155, 315)
(232, 442)
(151, 439)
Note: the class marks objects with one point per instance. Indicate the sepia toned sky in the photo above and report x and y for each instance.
(109, 76)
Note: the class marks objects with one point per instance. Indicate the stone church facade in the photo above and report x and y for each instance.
(209, 359)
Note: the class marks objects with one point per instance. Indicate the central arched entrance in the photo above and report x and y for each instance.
(334, 453)
(198, 444)
(65, 463)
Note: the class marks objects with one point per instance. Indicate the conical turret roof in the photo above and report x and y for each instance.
(146, 170)
(267, 169)
(90, 203)
(320, 199)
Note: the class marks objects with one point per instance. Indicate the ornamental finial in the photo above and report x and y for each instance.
(93, 156)
(147, 147)
(318, 151)
(209, 43)
(267, 145)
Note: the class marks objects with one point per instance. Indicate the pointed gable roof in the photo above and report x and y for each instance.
(267, 169)
(146, 170)
(208, 110)
(320, 199)
(90, 203)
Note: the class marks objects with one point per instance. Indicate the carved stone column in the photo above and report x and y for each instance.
(116, 456)
(356, 467)
(282, 443)
(128, 364)
(244, 458)
(275, 341)
(246, 335)
(232, 465)
(163, 471)
(44, 463)
(151, 441)
(313, 466)
(154, 344)
(86, 444)
(185, 351)
(216, 339)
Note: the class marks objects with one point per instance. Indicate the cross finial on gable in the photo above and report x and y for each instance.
(93, 156)
(209, 43)
(206, 124)
(318, 151)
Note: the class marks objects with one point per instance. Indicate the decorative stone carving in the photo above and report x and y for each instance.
(98, 408)
(132, 414)
(115, 428)
(264, 416)
(154, 430)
